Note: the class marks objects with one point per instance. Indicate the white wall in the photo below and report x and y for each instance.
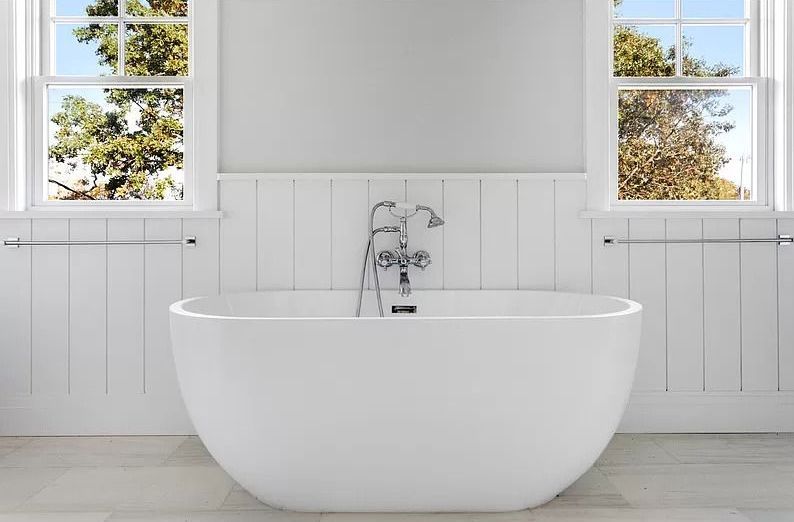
(401, 86)
(381, 85)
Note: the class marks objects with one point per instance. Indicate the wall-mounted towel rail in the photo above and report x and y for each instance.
(15, 242)
(782, 240)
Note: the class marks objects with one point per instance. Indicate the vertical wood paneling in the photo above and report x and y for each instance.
(462, 234)
(50, 308)
(572, 238)
(163, 286)
(684, 306)
(349, 201)
(88, 306)
(200, 263)
(785, 263)
(647, 286)
(382, 190)
(721, 307)
(610, 263)
(759, 307)
(238, 235)
(86, 319)
(536, 235)
(499, 234)
(430, 193)
(275, 240)
(312, 235)
(15, 280)
(125, 315)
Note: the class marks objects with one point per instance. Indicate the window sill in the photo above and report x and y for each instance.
(111, 213)
(703, 213)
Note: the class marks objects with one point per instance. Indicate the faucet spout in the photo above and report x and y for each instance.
(405, 283)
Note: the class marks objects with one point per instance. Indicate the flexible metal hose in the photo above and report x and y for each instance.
(371, 253)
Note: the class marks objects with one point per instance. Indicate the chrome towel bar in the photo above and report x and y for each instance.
(15, 242)
(782, 240)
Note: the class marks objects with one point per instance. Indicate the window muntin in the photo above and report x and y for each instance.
(115, 103)
(687, 109)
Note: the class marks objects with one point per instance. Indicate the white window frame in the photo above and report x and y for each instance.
(770, 78)
(23, 119)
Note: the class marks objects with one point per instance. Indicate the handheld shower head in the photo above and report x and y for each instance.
(435, 220)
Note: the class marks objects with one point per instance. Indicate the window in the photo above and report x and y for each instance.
(112, 107)
(688, 103)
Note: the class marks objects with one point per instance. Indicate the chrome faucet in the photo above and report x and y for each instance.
(399, 256)
(402, 259)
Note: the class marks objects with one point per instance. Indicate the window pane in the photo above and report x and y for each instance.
(86, 50)
(712, 8)
(115, 144)
(685, 144)
(713, 50)
(157, 50)
(157, 7)
(644, 50)
(644, 8)
(86, 8)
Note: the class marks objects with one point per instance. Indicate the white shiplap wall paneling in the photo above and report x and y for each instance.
(50, 308)
(647, 286)
(462, 234)
(499, 234)
(125, 312)
(312, 235)
(723, 301)
(430, 193)
(536, 248)
(573, 235)
(163, 286)
(238, 235)
(200, 263)
(721, 307)
(785, 263)
(684, 306)
(349, 209)
(87, 308)
(275, 238)
(610, 263)
(759, 307)
(15, 281)
(382, 190)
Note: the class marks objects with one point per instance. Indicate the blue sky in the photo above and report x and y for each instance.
(76, 58)
(689, 8)
(71, 7)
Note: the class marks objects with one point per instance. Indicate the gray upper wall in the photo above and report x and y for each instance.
(401, 85)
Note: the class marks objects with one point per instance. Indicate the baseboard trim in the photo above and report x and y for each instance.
(154, 414)
(709, 412)
(145, 414)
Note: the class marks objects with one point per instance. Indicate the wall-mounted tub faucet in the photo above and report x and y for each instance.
(400, 256)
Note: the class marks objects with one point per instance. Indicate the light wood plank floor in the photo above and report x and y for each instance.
(697, 478)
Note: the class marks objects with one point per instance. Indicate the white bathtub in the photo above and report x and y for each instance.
(483, 401)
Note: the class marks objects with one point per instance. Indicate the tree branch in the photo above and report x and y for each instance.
(70, 189)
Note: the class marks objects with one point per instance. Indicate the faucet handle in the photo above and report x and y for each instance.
(421, 259)
(387, 258)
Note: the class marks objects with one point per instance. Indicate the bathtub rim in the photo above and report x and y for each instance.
(631, 307)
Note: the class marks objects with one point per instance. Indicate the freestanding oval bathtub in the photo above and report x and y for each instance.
(477, 401)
